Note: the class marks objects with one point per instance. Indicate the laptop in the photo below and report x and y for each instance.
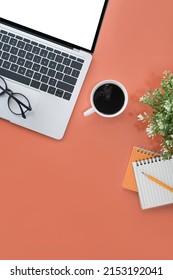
(46, 48)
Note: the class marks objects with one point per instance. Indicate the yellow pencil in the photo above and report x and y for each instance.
(158, 182)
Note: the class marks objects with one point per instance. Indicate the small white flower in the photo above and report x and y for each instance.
(168, 105)
(140, 117)
(142, 98)
(160, 124)
(149, 131)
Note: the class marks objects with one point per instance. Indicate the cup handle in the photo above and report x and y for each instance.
(88, 112)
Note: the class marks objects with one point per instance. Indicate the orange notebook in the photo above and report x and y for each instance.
(138, 153)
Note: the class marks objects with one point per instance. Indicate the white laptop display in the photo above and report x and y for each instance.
(46, 48)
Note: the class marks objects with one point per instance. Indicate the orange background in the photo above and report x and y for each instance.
(63, 199)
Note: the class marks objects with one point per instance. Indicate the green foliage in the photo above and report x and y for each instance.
(160, 120)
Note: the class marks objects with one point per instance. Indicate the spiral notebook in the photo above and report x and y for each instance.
(151, 193)
(137, 153)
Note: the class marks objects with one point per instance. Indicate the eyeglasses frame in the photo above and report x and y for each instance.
(20, 103)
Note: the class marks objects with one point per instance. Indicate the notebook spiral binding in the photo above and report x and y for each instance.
(147, 151)
(155, 156)
(150, 160)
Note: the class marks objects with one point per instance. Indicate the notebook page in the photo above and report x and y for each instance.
(150, 193)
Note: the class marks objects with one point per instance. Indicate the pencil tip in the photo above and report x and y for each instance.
(144, 174)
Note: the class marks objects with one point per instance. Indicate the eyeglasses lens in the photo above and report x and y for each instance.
(14, 105)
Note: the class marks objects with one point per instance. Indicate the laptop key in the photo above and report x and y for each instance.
(59, 58)
(11, 34)
(75, 73)
(76, 65)
(15, 76)
(6, 47)
(69, 80)
(44, 61)
(26, 40)
(66, 61)
(60, 67)
(64, 86)
(14, 67)
(34, 43)
(44, 79)
(72, 57)
(36, 50)
(5, 39)
(28, 64)
(51, 55)
(21, 70)
(44, 53)
(67, 95)
(42, 46)
(52, 82)
(67, 70)
(6, 64)
(13, 58)
(52, 64)
(19, 37)
(37, 59)
(49, 49)
(36, 67)
(20, 44)
(21, 53)
(56, 51)
(37, 76)
(5, 55)
(59, 76)
(3, 31)
(20, 61)
(29, 73)
(44, 87)
(65, 54)
(80, 60)
(35, 84)
(14, 50)
(59, 92)
(51, 90)
(13, 42)
(28, 47)
(43, 70)
(51, 73)
(29, 56)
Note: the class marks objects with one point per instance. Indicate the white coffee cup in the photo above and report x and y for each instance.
(108, 98)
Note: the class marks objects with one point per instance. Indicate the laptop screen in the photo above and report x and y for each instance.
(73, 21)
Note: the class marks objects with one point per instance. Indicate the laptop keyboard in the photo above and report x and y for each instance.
(38, 65)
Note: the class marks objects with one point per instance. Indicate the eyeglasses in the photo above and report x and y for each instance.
(18, 103)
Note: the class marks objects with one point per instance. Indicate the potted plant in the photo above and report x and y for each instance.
(160, 120)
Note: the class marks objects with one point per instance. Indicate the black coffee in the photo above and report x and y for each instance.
(109, 99)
